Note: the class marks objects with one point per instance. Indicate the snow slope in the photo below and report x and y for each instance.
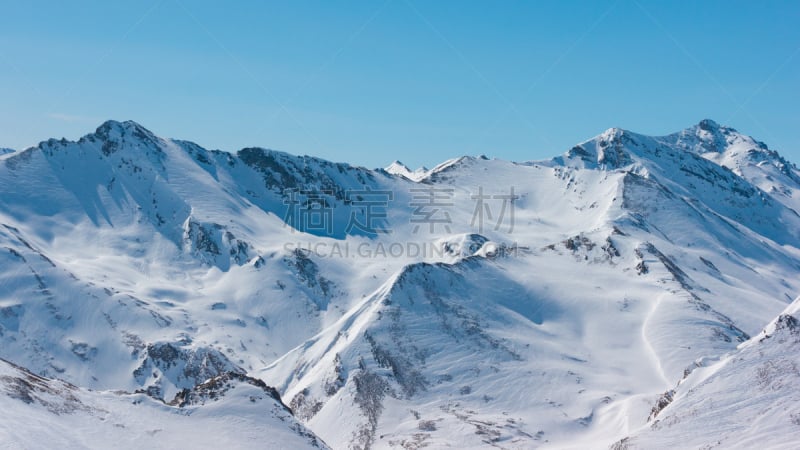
(227, 411)
(544, 303)
(745, 399)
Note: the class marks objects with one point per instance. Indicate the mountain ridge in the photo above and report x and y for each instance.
(134, 262)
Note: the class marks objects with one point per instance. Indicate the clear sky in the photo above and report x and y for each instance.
(368, 82)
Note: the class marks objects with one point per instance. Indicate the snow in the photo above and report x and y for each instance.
(133, 262)
(400, 169)
(749, 397)
(42, 413)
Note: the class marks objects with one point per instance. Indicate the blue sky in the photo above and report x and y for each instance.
(369, 82)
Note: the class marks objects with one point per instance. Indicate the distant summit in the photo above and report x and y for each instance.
(400, 169)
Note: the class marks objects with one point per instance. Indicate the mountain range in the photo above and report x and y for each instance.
(633, 292)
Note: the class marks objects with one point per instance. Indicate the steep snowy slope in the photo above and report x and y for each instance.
(746, 399)
(483, 302)
(228, 411)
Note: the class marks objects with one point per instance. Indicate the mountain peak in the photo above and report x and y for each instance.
(113, 133)
(710, 128)
(400, 169)
(612, 132)
(127, 125)
(708, 125)
(709, 136)
(397, 165)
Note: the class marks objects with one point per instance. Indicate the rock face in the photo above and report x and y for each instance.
(537, 303)
(167, 367)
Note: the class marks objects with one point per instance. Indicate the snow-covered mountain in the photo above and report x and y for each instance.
(482, 302)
